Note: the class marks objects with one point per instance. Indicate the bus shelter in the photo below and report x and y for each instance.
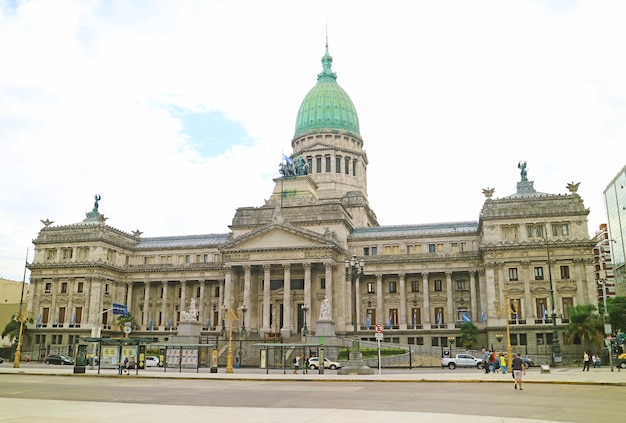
(112, 351)
(276, 353)
(185, 356)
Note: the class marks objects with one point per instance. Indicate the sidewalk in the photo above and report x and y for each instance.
(559, 375)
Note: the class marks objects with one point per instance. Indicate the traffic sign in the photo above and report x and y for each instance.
(378, 328)
(379, 336)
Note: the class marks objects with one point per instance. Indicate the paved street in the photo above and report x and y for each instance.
(54, 393)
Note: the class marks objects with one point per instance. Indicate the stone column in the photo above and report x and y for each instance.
(246, 294)
(286, 329)
(228, 291)
(426, 311)
(329, 288)
(357, 294)
(490, 294)
(380, 307)
(129, 295)
(528, 313)
(403, 315)
(450, 300)
(146, 305)
(307, 294)
(266, 298)
(201, 315)
(473, 309)
(183, 296)
(164, 311)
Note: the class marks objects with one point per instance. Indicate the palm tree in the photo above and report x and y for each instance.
(121, 321)
(585, 325)
(468, 334)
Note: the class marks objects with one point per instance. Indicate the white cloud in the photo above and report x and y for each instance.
(450, 96)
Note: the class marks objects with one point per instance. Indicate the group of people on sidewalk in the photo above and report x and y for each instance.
(298, 359)
(593, 359)
(498, 363)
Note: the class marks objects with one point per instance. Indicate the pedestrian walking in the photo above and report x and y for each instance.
(594, 360)
(485, 360)
(518, 370)
(503, 363)
(586, 361)
(305, 365)
(296, 364)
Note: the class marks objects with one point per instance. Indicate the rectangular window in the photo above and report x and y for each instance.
(180, 292)
(318, 165)
(513, 274)
(322, 283)
(539, 273)
(534, 231)
(347, 165)
(510, 233)
(393, 317)
(438, 285)
(564, 272)
(434, 341)
(370, 288)
(560, 229)
(392, 287)
(440, 248)
(78, 315)
(374, 251)
(80, 287)
(541, 308)
(415, 286)
(439, 316)
(106, 289)
(461, 285)
(327, 160)
(567, 303)
(454, 247)
(366, 251)
(63, 287)
(416, 316)
(198, 291)
(354, 167)
(338, 164)
(523, 339)
(61, 315)
(432, 248)
(540, 339)
(309, 160)
(413, 249)
(217, 292)
(392, 249)
(48, 287)
(45, 315)
(516, 312)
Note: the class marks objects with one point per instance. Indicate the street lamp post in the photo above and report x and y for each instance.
(304, 331)
(230, 316)
(506, 311)
(21, 319)
(556, 347)
(451, 340)
(354, 270)
(607, 322)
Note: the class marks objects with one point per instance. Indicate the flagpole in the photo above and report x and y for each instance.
(20, 318)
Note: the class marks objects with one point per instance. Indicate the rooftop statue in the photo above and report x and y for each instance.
(293, 167)
(95, 204)
(523, 172)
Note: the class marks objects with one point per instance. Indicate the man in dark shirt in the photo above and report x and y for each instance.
(518, 369)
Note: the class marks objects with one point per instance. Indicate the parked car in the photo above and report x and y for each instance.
(528, 362)
(461, 360)
(152, 361)
(621, 361)
(58, 359)
(1, 360)
(314, 363)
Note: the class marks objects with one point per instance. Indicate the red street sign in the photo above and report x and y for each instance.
(379, 328)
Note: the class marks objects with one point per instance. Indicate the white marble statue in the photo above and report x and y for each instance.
(192, 314)
(325, 310)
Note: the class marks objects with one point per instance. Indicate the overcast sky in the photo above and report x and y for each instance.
(178, 112)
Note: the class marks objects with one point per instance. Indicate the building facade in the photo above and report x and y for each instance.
(281, 260)
(615, 205)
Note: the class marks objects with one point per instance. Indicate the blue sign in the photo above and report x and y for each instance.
(120, 309)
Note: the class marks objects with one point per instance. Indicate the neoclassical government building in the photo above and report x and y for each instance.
(281, 259)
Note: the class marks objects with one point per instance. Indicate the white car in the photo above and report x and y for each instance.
(152, 361)
(314, 363)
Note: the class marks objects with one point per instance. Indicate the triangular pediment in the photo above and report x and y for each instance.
(279, 236)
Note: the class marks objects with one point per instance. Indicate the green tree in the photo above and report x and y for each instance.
(616, 307)
(468, 334)
(585, 326)
(121, 321)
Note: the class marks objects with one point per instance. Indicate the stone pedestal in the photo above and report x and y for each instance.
(356, 364)
(325, 328)
(188, 332)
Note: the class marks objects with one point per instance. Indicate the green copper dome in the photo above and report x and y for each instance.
(327, 107)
